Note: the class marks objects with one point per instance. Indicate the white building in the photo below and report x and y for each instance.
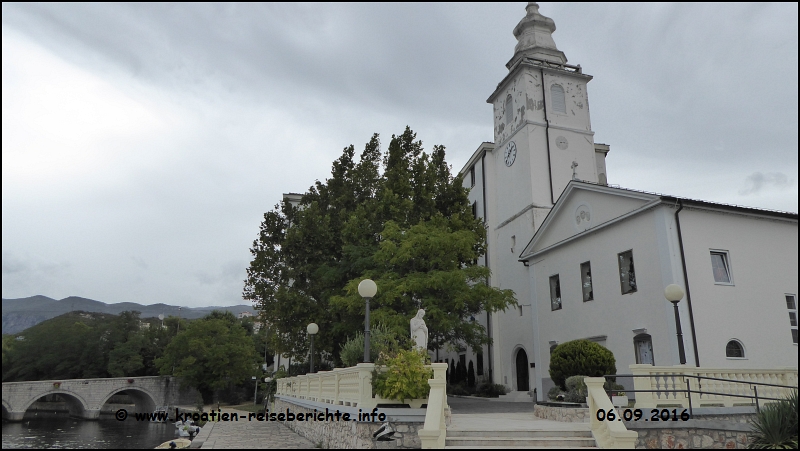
(599, 263)
(542, 142)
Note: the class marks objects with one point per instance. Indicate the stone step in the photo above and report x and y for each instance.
(519, 433)
(509, 442)
(514, 396)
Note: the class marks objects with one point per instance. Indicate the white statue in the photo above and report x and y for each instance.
(419, 331)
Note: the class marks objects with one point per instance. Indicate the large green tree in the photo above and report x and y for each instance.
(211, 354)
(398, 217)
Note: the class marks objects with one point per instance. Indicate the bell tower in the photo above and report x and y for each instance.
(542, 130)
(542, 139)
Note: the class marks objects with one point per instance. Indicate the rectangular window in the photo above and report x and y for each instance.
(720, 265)
(627, 275)
(555, 293)
(791, 304)
(472, 176)
(586, 281)
(475, 209)
(479, 358)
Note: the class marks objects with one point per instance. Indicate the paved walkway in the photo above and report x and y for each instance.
(245, 434)
(467, 414)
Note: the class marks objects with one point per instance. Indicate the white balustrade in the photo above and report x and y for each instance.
(345, 386)
(434, 431)
(666, 379)
(607, 434)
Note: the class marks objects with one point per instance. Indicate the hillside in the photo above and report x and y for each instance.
(20, 314)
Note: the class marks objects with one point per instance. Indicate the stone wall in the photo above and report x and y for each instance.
(351, 434)
(691, 438)
(565, 414)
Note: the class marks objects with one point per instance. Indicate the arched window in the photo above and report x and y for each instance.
(643, 344)
(509, 113)
(734, 349)
(557, 99)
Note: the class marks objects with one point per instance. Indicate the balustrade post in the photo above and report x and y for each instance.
(336, 378)
(644, 400)
(365, 398)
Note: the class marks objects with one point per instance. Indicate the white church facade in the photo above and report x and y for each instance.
(587, 260)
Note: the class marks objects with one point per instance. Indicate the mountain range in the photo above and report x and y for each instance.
(20, 314)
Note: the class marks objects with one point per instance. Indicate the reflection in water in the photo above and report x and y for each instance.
(64, 432)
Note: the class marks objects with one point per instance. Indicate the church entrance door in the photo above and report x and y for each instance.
(522, 371)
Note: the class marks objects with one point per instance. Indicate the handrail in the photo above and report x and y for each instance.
(434, 432)
(672, 385)
(607, 434)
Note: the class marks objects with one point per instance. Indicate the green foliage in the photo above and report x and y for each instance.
(400, 219)
(576, 389)
(211, 354)
(405, 377)
(85, 345)
(580, 357)
(614, 388)
(471, 375)
(554, 393)
(125, 359)
(382, 341)
(489, 390)
(459, 389)
(775, 426)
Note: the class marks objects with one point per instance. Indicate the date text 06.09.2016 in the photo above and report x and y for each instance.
(636, 415)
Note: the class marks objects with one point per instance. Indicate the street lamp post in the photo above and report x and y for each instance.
(255, 394)
(367, 289)
(674, 294)
(312, 330)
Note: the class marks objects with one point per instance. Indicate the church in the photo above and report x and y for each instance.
(589, 260)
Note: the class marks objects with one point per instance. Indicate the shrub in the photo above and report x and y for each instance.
(554, 392)
(381, 340)
(489, 390)
(576, 389)
(775, 426)
(405, 377)
(458, 390)
(580, 357)
(471, 375)
(614, 388)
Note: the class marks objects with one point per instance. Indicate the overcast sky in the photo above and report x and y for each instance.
(143, 143)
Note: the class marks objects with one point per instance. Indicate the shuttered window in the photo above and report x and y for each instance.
(557, 98)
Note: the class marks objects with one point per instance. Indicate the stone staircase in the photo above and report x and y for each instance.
(568, 437)
(514, 396)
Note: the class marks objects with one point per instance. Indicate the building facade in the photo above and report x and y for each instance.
(556, 231)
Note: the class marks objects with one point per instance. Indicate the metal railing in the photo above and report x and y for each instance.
(688, 391)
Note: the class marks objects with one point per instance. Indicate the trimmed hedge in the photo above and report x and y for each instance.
(580, 358)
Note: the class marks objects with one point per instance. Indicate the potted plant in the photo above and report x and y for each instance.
(56, 384)
(619, 399)
(130, 381)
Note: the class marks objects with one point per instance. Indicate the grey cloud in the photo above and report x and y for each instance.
(139, 261)
(12, 264)
(758, 181)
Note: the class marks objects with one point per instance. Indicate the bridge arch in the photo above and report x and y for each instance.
(144, 401)
(6, 410)
(76, 405)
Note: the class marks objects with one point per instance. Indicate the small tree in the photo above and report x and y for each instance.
(471, 375)
(580, 357)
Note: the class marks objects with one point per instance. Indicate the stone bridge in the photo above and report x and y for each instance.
(86, 397)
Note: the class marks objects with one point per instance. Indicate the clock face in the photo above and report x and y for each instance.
(510, 154)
